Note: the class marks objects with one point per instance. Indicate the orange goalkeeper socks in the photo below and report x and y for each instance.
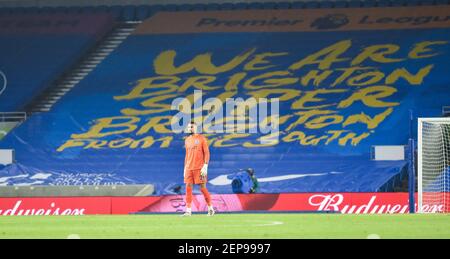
(206, 195)
(188, 196)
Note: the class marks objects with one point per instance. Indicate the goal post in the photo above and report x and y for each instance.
(433, 165)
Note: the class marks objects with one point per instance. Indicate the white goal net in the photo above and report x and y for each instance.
(434, 165)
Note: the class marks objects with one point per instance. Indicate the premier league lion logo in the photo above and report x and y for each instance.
(331, 21)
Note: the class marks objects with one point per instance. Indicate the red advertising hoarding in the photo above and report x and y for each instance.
(55, 206)
(351, 203)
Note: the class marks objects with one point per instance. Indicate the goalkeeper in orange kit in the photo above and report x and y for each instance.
(196, 167)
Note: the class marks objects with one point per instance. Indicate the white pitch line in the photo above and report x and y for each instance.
(272, 223)
(73, 236)
(254, 223)
(373, 236)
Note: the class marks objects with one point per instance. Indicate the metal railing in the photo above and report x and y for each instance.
(13, 116)
(446, 111)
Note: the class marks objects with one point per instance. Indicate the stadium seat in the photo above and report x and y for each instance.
(369, 3)
(87, 10)
(326, 4)
(101, 9)
(5, 10)
(31, 10)
(60, 10)
(427, 2)
(384, 3)
(185, 7)
(354, 4)
(73, 10)
(142, 12)
(312, 5)
(16, 10)
(255, 6)
(283, 5)
(298, 5)
(116, 11)
(340, 4)
(212, 7)
(198, 7)
(399, 2)
(48, 10)
(171, 8)
(442, 2)
(269, 5)
(413, 3)
(48, 54)
(129, 13)
(155, 9)
(226, 6)
(241, 6)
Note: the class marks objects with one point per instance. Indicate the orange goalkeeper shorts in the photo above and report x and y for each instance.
(194, 177)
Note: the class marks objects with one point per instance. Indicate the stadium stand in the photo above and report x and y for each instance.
(74, 143)
(37, 48)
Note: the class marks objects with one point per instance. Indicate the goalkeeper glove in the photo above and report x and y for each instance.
(204, 171)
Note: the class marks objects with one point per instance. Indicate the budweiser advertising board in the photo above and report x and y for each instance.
(353, 203)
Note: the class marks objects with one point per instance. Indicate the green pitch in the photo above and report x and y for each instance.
(228, 226)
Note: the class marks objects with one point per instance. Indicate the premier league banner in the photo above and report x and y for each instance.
(300, 96)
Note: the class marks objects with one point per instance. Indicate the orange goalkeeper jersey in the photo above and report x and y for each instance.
(197, 152)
